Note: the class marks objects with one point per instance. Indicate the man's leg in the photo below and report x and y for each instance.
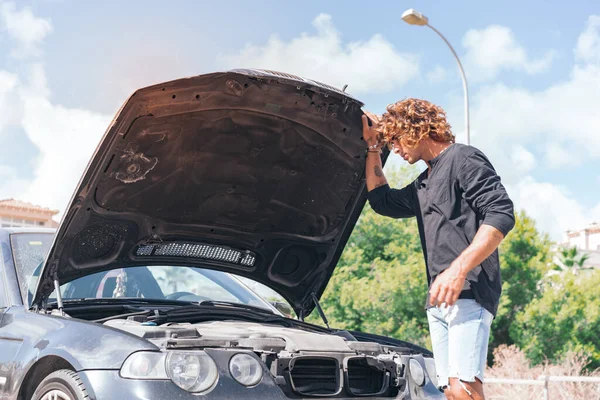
(465, 390)
(468, 337)
(438, 330)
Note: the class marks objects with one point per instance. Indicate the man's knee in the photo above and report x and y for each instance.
(462, 390)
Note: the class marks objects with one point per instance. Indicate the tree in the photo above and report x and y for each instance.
(524, 260)
(174, 277)
(565, 318)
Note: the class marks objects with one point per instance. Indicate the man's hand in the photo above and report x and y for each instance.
(369, 132)
(373, 168)
(447, 286)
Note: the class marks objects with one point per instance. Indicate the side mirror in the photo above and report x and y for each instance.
(283, 308)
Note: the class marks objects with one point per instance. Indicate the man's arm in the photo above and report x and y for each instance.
(395, 203)
(447, 286)
(486, 194)
(374, 171)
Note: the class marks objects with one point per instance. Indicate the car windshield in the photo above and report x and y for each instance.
(149, 282)
(162, 282)
(29, 253)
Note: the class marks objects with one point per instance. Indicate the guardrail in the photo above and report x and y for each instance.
(544, 380)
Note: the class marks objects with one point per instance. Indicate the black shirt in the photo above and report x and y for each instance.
(461, 193)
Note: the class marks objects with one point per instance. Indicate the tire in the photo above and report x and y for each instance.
(63, 384)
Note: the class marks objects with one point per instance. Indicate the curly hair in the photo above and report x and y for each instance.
(414, 120)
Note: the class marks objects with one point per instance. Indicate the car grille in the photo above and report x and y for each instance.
(315, 376)
(364, 379)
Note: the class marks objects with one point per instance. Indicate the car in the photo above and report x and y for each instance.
(200, 186)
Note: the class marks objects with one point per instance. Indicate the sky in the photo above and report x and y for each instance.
(533, 70)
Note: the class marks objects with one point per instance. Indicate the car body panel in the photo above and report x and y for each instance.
(26, 337)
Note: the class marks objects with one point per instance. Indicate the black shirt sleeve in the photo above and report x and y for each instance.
(485, 193)
(395, 203)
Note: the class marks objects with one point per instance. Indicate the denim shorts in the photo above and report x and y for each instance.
(459, 336)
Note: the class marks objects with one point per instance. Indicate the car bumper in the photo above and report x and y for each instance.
(107, 384)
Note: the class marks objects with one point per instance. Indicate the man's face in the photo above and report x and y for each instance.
(410, 154)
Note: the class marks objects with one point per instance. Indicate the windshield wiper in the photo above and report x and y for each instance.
(121, 300)
(214, 311)
(235, 305)
(145, 313)
(182, 309)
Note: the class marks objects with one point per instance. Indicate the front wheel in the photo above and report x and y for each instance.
(63, 384)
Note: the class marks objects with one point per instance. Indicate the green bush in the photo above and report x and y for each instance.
(565, 318)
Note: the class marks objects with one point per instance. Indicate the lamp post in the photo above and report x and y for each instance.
(413, 17)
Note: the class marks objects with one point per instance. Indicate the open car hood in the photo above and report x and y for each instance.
(253, 172)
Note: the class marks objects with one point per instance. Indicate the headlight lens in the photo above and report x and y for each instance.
(144, 365)
(245, 369)
(192, 371)
(416, 372)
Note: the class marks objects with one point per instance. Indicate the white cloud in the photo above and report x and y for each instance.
(553, 207)
(65, 137)
(9, 110)
(366, 66)
(522, 159)
(25, 28)
(437, 75)
(595, 214)
(512, 120)
(560, 154)
(495, 48)
(588, 43)
(10, 183)
(565, 112)
(560, 122)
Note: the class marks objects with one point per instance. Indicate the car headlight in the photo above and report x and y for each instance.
(416, 372)
(245, 369)
(144, 365)
(192, 371)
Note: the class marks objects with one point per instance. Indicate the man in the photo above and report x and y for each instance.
(463, 213)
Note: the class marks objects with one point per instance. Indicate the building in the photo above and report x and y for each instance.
(585, 239)
(16, 213)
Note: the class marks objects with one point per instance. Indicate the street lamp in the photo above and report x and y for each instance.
(413, 17)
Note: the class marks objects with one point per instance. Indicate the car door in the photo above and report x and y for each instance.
(10, 305)
(3, 307)
(9, 345)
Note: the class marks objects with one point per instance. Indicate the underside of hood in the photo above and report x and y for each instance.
(252, 172)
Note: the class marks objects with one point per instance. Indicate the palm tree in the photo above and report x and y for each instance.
(570, 257)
